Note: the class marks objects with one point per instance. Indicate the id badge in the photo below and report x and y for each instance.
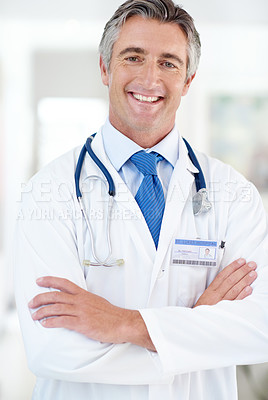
(199, 253)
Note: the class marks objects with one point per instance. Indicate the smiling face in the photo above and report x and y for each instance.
(146, 79)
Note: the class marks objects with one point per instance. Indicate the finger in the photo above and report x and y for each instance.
(227, 271)
(53, 311)
(67, 322)
(244, 293)
(231, 280)
(239, 279)
(61, 284)
(43, 299)
(234, 292)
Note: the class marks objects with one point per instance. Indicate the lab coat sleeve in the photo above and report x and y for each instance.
(45, 244)
(230, 332)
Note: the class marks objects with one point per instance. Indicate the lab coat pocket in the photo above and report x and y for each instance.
(191, 283)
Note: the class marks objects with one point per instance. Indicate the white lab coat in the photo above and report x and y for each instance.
(197, 349)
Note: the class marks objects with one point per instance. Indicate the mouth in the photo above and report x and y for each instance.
(146, 99)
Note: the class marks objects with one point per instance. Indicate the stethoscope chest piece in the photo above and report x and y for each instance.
(201, 203)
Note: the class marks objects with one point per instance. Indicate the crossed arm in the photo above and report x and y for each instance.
(74, 308)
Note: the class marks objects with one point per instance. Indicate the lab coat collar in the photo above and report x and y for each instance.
(186, 159)
(122, 193)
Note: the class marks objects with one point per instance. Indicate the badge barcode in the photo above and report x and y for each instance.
(191, 262)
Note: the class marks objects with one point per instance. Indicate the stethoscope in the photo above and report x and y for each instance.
(200, 201)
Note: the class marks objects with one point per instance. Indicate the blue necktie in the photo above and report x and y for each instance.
(150, 195)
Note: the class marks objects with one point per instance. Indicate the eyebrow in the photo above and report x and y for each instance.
(139, 50)
(170, 56)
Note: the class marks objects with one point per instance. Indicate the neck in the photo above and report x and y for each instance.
(145, 138)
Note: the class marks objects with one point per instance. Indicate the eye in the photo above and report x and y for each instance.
(169, 64)
(132, 59)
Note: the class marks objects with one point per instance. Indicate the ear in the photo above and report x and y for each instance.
(104, 72)
(187, 85)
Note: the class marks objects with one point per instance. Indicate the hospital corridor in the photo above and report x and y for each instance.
(52, 98)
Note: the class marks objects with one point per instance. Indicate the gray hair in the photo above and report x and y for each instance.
(160, 10)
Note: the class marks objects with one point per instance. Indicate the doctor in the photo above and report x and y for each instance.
(155, 327)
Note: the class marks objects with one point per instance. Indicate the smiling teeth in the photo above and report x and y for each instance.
(144, 98)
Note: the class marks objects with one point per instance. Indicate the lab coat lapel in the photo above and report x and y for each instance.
(123, 195)
(178, 203)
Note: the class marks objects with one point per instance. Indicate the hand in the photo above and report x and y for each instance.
(232, 283)
(74, 308)
(77, 309)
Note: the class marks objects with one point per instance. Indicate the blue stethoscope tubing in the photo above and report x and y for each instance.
(199, 177)
(201, 204)
(107, 262)
(87, 148)
(200, 182)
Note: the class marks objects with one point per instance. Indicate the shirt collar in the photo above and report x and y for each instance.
(114, 140)
(169, 147)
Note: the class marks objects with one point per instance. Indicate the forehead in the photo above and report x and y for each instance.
(152, 35)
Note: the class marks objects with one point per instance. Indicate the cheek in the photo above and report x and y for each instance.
(178, 89)
(121, 77)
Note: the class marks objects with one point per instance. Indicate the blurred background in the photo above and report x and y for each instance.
(52, 98)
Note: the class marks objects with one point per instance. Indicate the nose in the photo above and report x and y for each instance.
(150, 75)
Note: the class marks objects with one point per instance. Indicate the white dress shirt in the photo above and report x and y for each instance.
(114, 140)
